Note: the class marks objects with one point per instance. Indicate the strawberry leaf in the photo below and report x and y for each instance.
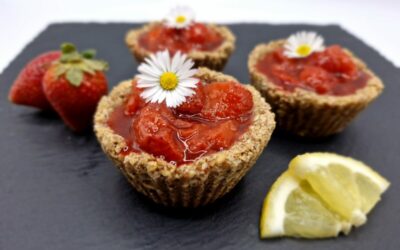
(71, 57)
(89, 53)
(60, 70)
(97, 65)
(74, 76)
(105, 64)
(86, 68)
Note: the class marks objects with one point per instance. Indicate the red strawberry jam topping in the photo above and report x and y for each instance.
(209, 121)
(330, 72)
(197, 37)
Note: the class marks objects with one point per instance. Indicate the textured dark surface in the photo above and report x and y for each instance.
(59, 191)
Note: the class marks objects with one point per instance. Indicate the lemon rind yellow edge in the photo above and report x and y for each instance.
(381, 181)
(265, 231)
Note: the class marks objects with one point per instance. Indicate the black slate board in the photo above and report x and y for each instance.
(59, 191)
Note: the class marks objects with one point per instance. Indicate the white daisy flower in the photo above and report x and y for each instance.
(303, 44)
(179, 17)
(166, 78)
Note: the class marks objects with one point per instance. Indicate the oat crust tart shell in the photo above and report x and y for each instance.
(214, 59)
(189, 185)
(306, 113)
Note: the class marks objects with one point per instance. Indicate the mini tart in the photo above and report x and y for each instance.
(188, 185)
(215, 59)
(306, 113)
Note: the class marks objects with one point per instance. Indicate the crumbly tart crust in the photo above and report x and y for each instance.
(306, 113)
(215, 59)
(189, 185)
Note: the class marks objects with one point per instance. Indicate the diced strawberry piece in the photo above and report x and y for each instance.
(279, 56)
(334, 59)
(181, 124)
(194, 103)
(155, 135)
(226, 100)
(316, 78)
(285, 73)
(152, 37)
(197, 33)
(190, 131)
(219, 137)
(134, 101)
(223, 135)
(321, 88)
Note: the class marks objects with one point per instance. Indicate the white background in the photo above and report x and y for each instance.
(377, 22)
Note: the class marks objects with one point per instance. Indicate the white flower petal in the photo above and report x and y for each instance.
(153, 65)
(180, 101)
(185, 91)
(144, 84)
(179, 91)
(189, 82)
(176, 99)
(186, 66)
(159, 59)
(149, 92)
(148, 70)
(169, 100)
(180, 63)
(175, 61)
(147, 77)
(187, 74)
(158, 96)
(162, 96)
(157, 63)
(166, 60)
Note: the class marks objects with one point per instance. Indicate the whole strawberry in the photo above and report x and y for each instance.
(27, 88)
(74, 85)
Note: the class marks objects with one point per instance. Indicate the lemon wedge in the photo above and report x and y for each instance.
(321, 195)
(347, 186)
(292, 208)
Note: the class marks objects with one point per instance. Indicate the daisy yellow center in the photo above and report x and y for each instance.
(304, 50)
(168, 81)
(180, 19)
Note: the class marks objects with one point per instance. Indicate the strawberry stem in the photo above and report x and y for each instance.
(68, 48)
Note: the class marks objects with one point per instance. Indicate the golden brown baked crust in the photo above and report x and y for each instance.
(215, 59)
(188, 185)
(306, 113)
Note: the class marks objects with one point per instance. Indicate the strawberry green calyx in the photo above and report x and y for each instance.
(74, 65)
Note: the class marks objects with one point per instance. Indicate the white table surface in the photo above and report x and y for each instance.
(377, 22)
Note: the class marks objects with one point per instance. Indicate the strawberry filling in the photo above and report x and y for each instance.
(197, 37)
(209, 121)
(330, 72)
